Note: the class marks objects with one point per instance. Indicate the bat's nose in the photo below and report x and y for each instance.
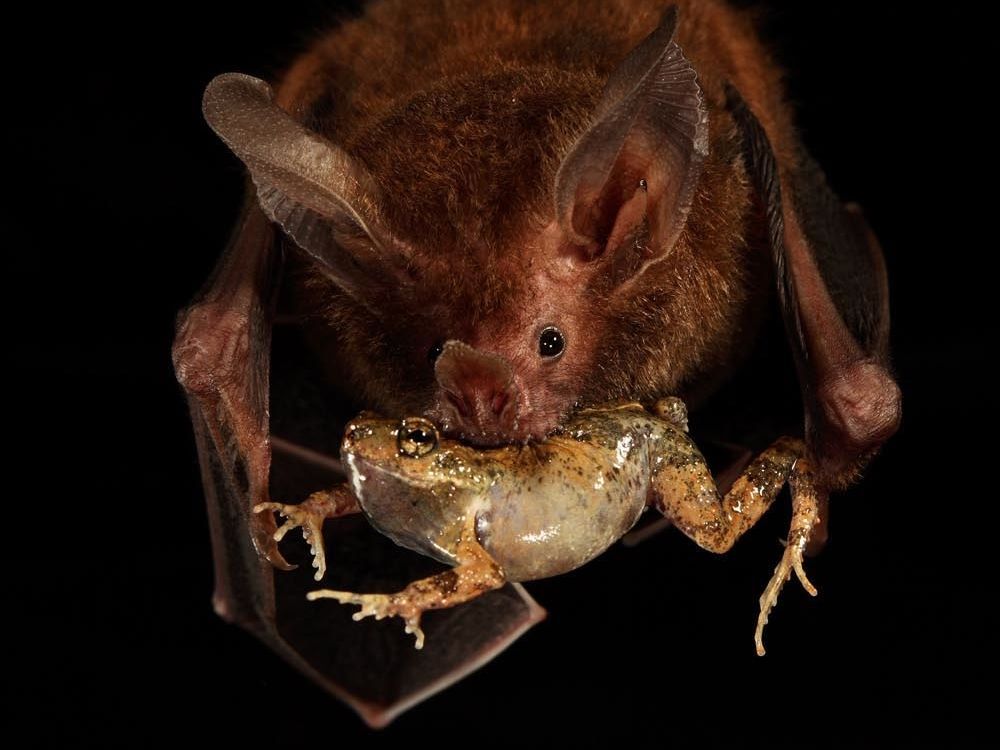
(477, 390)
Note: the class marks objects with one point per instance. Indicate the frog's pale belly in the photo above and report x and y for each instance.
(565, 512)
(539, 521)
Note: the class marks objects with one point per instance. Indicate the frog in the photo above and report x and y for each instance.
(534, 510)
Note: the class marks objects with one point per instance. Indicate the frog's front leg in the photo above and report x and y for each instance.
(673, 410)
(684, 491)
(474, 574)
(310, 515)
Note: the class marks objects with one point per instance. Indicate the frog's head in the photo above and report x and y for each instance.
(411, 482)
(409, 457)
(407, 448)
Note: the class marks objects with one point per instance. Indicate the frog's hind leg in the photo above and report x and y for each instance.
(474, 574)
(733, 460)
(806, 509)
(685, 492)
(310, 515)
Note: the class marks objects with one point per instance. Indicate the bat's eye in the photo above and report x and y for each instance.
(435, 351)
(417, 437)
(551, 342)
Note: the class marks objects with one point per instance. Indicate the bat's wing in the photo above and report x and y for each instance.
(223, 357)
(834, 296)
(373, 666)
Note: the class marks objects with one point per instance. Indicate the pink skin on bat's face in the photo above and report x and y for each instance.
(515, 373)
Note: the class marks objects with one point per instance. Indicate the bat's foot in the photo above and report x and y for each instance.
(791, 560)
(378, 606)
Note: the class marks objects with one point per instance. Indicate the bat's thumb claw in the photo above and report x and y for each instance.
(262, 529)
(277, 560)
(272, 555)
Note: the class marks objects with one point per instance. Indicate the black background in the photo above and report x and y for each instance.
(123, 201)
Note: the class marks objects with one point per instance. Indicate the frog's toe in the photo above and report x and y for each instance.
(313, 534)
(311, 522)
(285, 510)
(284, 528)
(800, 573)
(413, 627)
(344, 597)
(791, 560)
(282, 510)
(378, 606)
(372, 605)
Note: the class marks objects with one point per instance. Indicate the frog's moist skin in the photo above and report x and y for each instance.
(523, 512)
(541, 509)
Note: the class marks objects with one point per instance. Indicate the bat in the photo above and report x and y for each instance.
(490, 213)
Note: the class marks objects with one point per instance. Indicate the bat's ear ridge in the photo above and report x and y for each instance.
(323, 198)
(835, 300)
(629, 179)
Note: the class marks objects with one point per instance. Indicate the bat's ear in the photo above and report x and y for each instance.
(624, 190)
(323, 199)
(835, 300)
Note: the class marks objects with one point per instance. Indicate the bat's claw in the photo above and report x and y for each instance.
(309, 518)
(791, 561)
(262, 535)
(378, 606)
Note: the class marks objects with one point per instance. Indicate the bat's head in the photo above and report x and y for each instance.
(487, 249)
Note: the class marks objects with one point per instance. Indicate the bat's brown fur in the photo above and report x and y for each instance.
(462, 110)
(452, 121)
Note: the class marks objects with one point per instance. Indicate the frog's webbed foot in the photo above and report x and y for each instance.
(805, 516)
(379, 606)
(309, 516)
(474, 574)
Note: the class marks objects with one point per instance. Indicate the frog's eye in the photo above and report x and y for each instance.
(417, 437)
(551, 342)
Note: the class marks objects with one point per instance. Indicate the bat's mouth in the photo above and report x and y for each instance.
(494, 439)
(523, 431)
